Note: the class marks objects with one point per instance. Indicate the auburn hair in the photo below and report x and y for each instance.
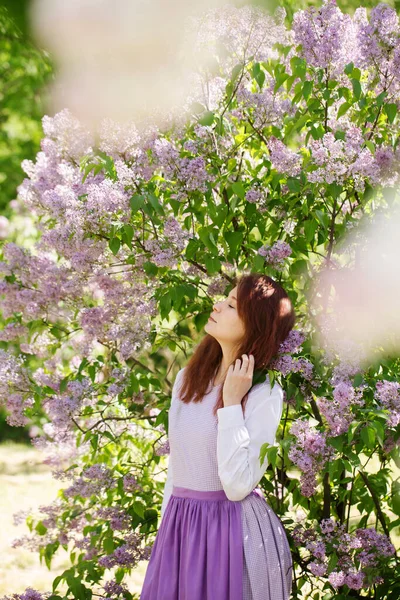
(268, 317)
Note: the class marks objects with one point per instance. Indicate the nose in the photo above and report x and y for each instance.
(216, 306)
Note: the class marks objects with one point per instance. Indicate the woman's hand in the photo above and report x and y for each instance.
(238, 380)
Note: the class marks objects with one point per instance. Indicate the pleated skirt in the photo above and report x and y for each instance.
(211, 548)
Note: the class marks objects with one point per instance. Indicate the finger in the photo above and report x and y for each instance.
(251, 361)
(245, 362)
(237, 364)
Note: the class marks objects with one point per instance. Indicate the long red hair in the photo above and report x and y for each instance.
(267, 313)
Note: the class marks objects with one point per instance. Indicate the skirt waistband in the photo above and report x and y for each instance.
(182, 492)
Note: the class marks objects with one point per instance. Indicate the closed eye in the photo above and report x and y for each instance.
(231, 306)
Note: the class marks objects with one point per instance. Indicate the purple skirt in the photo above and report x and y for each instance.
(198, 550)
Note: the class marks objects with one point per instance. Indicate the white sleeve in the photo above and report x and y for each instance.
(239, 439)
(169, 482)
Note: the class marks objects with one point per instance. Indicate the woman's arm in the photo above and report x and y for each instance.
(240, 439)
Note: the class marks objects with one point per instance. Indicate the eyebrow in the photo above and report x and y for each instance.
(233, 297)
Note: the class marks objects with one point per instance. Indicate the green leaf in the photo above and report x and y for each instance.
(191, 248)
(343, 108)
(299, 67)
(40, 528)
(310, 228)
(280, 79)
(234, 239)
(323, 218)
(380, 98)
(207, 119)
(128, 234)
(395, 503)
(150, 268)
(370, 145)
(108, 543)
(139, 508)
(358, 379)
(205, 234)
(298, 267)
(238, 189)
(391, 111)
(136, 201)
(213, 264)
(307, 88)
(349, 68)
(293, 184)
(271, 375)
(260, 78)
(114, 245)
(356, 88)
(332, 562)
(153, 200)
(237, 69)
(368, 436)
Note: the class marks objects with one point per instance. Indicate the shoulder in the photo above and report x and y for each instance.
(263, 394)
(264, 390)
(178, 381)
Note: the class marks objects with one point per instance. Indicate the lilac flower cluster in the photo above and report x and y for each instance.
(113, 589)
(176, 235)
(127, 554)
(388, 395)
(309, 452)
(130, 483)
(338, 160)
(366, 546)
(265, 108)
(379, 44)
(191, 173)
(337, 412)
(93, 481)
(258, 194)
(163, 449)
(28, 594)
(293, 341)
(117, 517)
(16, 391)
(286, 364)
(276, 254)
(217, 286)
(327, 36)
(162, 257)
(283, 159)
(61, 408)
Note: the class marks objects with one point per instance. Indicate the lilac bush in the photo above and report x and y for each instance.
(287, 143)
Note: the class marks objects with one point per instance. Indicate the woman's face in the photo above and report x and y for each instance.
(227, 326)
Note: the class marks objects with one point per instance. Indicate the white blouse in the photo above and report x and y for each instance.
(239, 440)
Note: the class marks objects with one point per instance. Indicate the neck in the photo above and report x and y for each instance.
(227, 359)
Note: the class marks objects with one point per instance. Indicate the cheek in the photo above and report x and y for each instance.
(235, 321)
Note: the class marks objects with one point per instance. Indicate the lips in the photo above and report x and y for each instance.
(212, 319)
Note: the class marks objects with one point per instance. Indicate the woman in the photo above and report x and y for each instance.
(218, 537)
